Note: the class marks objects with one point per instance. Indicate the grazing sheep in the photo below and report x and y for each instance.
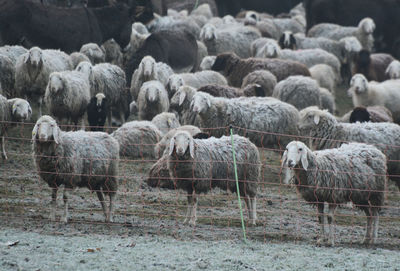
(67, 96)
(152, 100)
(165, 122)
(232, 39)
(12, 111)
(393, 70)
(366, 93)
(206, 63)
(265, 79)
(235, 69)
(372, 66)
(327, 100)
(7, 76)
(113, 52)
(363, 32)
(33, 70)
(97, 111)
(77, 58)
(149, 70)
(325, 76)
(180, 103)
(365, 114)
(198, 165)
(196, 80)
(93, 52)
(299, 91)
(251, 115)
(110, 80)
(75, 159)
(161, 147)
(308, 57)
(352, 173)
(137, 139)
(324, 132)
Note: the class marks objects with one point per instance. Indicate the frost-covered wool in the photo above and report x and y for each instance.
(93, 52)
(152, 100)
(165, 122)
(76, 159)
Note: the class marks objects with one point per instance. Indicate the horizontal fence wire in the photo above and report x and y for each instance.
(158, 205)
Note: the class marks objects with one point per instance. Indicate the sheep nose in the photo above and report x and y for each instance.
(42, 137)
(195, 109)
(291, 163)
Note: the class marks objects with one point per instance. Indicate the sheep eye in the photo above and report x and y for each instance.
(300, 149)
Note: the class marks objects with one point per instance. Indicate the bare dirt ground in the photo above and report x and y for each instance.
(148, 233)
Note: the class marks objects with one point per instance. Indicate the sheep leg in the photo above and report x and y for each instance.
(65, 198)
(3, 145)
(111, 209)
(253, 204)
(250, 208)
(109, 118)
(189, 211)
(53, 203)
(100, 195)
(193, 219)
(331, 216)
(40, 106)
(321, 220)
(375, 214)
(367, 238)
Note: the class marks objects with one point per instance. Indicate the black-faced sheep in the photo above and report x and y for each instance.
(75, 159)
(365, 114)
(235, 69)
(352, 173)
(97, 111)
(372, 66)
(198, 165)
(12, 111)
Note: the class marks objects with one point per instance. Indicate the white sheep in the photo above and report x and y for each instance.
(366, 93)
(137, 139)
(12, 111)
(363, 32)
(139, 34)
(149, 70)
(196, 80)
(325, 76)
(393, 70)
(67, 96)
(354, 173)
(75, 159)
(165, 122)
(93, 52)
(110, 80)
(207, 62)
(235, 39)
(209, 163)
(13, 52)
(77, 57)
(152, 100)
(33, 70)
(251, 116)
(308, 57)
(327, 100)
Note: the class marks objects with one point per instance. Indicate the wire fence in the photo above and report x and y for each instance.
(160, 208)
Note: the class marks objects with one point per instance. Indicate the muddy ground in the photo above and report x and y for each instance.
(152, 217)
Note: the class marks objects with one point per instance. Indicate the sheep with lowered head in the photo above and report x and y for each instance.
(12, 111)
(323, 131)
(75, 159)
(165, 122)
(366, 93)
(198, 165)
(355, 173)
(207, 62)
(113, 52)
(180, 103)
(149, 70)
(93, 52)
(365, 114)
(264, 120)
(33, 69)
(265, 79)
(67, 96)
(77, 58)
(137, 139)
(152, 100)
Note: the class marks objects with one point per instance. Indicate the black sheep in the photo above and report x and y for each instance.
(97, 112)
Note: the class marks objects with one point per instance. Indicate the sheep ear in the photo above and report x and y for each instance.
(287, 172)
(316, 119)
(35, 131)
(171, 146)
(182, 98)
(56, 134)
(208, 102)
(191, 148)
(27, 59)
(284, 158)
(304, 160)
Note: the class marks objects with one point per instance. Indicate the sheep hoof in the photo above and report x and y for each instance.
(192, 223)
(64, 220)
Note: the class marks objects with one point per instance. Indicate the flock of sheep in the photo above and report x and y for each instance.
(260, 74)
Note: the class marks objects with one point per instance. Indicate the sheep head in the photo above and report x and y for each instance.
(184, 93)
(350, 47)
(295, 153)
(46, 130)
(358, 85)
(201, 103)
(35, 57)
(224, 62)
(313, 118)
(20, 109)
(86, 68)
(175, 81)
(270, 50)
(147, 67)
(287, 41)
(56, 82)
(152, 90)
(208, 32)
(181, 142)
(393, 70)
(100, 99)
(367, 25)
